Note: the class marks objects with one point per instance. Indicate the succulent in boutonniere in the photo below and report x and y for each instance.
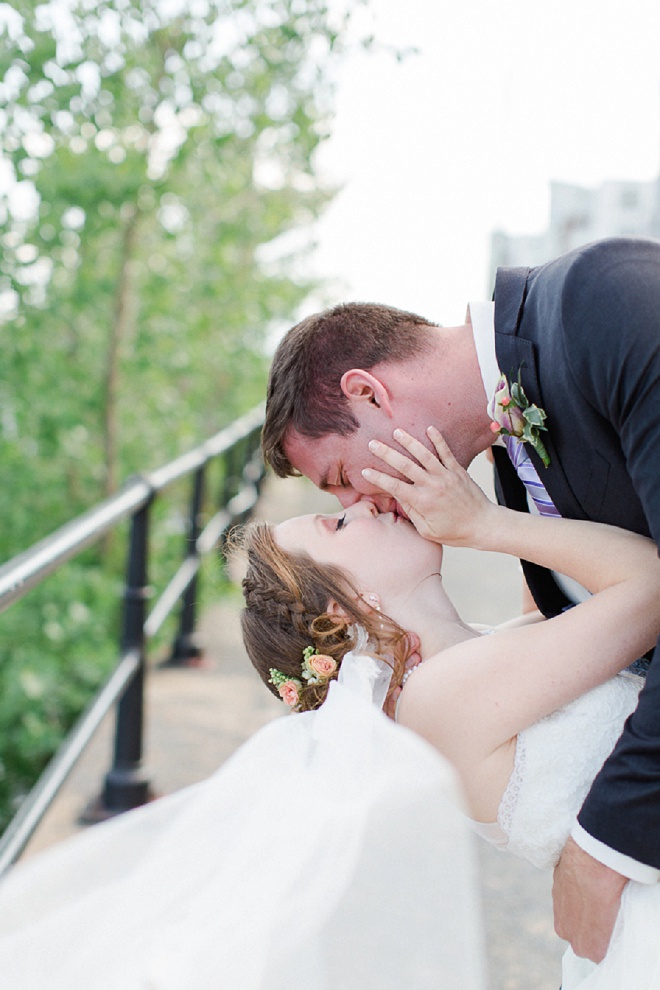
(513, 415)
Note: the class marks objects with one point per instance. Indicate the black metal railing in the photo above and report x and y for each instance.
(126, 785)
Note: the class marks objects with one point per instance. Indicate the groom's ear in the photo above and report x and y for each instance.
(362, 387)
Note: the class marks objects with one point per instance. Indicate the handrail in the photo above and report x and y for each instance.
(32, 810)
(29, 568)
(125, 784)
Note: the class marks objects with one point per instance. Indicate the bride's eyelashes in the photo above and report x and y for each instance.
(340, 523)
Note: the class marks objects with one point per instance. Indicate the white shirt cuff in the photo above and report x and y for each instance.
(615, 860)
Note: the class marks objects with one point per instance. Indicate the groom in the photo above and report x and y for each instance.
(581, 337)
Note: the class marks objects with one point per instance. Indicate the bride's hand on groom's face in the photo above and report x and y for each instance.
(439, 497)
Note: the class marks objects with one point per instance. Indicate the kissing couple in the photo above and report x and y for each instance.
(323, 854)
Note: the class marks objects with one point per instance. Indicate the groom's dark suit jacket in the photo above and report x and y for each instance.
(585, 330)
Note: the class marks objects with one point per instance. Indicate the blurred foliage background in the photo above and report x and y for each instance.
(149, 151)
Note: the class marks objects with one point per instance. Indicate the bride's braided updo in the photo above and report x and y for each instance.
(286, 600)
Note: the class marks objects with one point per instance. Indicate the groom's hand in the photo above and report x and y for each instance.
(586, 896)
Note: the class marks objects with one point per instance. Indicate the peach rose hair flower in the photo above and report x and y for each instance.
(317, 667)
(288, 688)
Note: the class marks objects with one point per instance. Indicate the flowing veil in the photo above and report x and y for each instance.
(326, 854)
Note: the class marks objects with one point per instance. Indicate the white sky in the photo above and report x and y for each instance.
(435, 153)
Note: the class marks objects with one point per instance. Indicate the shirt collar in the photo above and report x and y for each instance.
(482, 317)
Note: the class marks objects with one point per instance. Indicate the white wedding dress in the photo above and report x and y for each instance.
(556, 761)
(327, 854)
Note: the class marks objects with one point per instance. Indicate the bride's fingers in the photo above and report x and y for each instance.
(399, 490)
(434, 462)
(442, 447)
(396, 460)
(419, 451)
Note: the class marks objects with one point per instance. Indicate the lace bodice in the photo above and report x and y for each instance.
(556, 761)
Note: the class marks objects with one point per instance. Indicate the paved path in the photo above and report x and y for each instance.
(197, 717)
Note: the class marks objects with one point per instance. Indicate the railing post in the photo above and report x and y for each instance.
(233, 466)
(184, 649)
(126, 785)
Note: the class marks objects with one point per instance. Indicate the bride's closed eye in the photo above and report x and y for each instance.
(340, 523)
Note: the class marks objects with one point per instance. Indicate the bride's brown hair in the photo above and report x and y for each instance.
(286, 610)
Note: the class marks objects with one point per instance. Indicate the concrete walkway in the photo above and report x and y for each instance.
(197, 717)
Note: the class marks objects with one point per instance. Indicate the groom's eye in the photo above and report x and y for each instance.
(340, 523)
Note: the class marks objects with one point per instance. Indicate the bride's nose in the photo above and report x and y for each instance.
(365, 507)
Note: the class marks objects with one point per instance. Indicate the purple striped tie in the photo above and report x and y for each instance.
(529, 477)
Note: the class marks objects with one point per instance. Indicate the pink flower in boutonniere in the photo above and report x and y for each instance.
(514, 415)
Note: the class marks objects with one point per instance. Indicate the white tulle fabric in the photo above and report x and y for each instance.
(325, 854)
(556, 761)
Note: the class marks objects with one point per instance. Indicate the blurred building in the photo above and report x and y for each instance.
(578, 216)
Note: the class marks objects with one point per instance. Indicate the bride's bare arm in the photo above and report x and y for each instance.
(474, 698)
(526, 619)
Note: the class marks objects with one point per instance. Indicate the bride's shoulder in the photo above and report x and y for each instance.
(440, 697)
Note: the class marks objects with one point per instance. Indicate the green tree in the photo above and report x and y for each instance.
(148, 151)
(155, 147)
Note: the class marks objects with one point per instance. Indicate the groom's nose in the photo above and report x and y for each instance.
(384, 503)
(364, 507)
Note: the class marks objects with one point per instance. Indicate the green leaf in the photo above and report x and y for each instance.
(535, 416)
(518, 395)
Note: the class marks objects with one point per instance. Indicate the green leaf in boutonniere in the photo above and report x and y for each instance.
(513, 415)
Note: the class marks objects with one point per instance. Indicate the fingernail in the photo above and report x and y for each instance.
(397, 434)
(366, 472)
(372, 444)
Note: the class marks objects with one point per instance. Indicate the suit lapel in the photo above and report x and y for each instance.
(509, 296)
(514, 354)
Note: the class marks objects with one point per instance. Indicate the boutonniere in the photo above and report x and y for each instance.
(513, 415)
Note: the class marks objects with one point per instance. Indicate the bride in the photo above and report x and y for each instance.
(324, 854)
(528, 715)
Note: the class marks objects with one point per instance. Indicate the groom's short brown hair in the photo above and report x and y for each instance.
(304, 391)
